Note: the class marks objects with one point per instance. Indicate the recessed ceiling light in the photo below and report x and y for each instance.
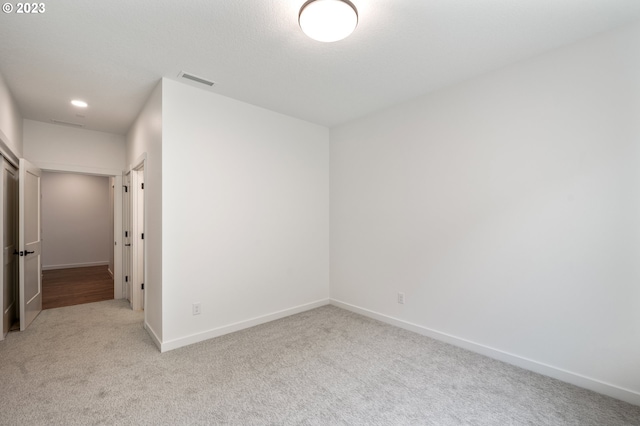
(79, 104)
(328, 20)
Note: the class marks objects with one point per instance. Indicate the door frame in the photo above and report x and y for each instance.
(137, 223)
(117, 213)
(5, 163)
(7, 153)
(126, 237)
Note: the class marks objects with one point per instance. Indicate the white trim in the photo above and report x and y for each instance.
(142, 158)
(156, 340)
(226, 329)
(595, 385)
(75, 265)
(125, 216)
(66, 168)
(6, 151)
(138, 275)
(118, 283)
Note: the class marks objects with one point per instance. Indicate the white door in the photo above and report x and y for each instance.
(138, 242)
(126, 237)
(30, 243)
(9, 232)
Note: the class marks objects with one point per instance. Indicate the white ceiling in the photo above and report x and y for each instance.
(112, 53)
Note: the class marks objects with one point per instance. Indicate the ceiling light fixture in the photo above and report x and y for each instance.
(328, 20)
(79, 104)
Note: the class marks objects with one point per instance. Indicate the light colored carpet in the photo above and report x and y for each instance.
(95, 364)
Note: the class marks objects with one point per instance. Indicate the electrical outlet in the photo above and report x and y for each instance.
(401, 298)
(196, 309)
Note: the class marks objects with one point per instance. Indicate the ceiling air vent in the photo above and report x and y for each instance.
(66, 123)
(196, 79)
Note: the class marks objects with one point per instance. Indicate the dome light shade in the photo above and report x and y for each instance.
(328, 20)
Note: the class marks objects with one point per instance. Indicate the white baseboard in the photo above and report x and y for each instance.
(74, 265)
(595, 385)
(153, 335)
(216, 332)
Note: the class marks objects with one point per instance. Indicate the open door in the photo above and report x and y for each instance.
(9, 232)
(30, 265)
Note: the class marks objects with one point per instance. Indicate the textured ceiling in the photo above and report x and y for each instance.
(112, 53)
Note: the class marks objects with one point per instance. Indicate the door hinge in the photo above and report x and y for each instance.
(126, 278)
(126, 188)
(126, 234)
(142, 286)
(142, 236)
(142, 185)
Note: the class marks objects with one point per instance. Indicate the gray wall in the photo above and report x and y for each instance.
(76, 222)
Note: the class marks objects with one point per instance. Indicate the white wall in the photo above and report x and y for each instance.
(145, 139)
(76, 225)
(507, 209)
(55, 147)
(10, 120)
(245, 214)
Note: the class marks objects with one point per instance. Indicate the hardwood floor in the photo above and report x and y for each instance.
(75, 286)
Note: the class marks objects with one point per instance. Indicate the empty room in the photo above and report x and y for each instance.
(325, 211)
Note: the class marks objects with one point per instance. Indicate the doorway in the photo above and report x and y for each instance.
(116, 241)
(115, 222)
(78, 239)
